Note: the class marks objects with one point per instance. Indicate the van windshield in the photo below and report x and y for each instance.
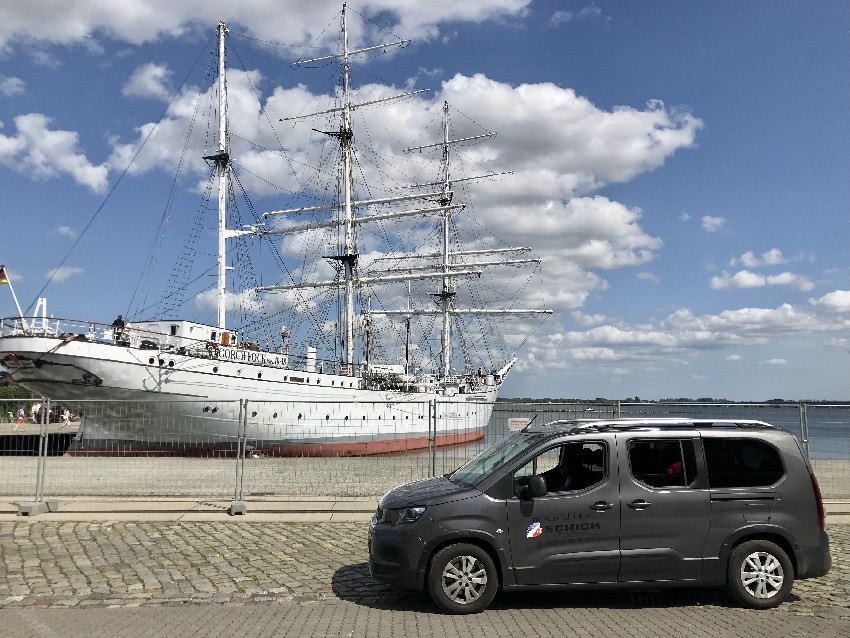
(469, 474)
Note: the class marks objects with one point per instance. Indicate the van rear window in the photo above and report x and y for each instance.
(741, 463)
(663, 462)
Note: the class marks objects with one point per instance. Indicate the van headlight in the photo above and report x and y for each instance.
(410, 515)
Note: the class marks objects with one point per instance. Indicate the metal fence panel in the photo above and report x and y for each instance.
(781, 415)
(828, 436)
(259, 449)
(19, 446)
(147, 448)
(333, 448)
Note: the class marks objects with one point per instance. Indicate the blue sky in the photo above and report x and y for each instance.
(681, 168)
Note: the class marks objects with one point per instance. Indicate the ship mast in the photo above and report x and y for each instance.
(348, 257)
(447, 292)
(221, 160)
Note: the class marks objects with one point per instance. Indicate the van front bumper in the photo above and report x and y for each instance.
(395, 553)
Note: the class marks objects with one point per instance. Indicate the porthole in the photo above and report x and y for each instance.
(346, 418)
(239, 372)
(170, 364)
(274, 416)
(206, 408)
(406, 417)
(364, 418)
(215, 369)
(285, 378)
(151, 360)
(318, 381)
(327, 417)
(161, 361)
(393, 417)
(332, 383)
(300, 416)
(259, 375)
(214, 410)
(253, 414)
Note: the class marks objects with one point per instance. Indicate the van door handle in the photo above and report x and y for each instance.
(601, 506)
(639, 504)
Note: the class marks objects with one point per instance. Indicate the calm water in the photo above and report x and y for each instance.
(828, 427)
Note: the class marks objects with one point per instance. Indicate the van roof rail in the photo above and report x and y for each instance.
(577, 426)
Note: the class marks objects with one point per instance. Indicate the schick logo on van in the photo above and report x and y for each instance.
(571, 527)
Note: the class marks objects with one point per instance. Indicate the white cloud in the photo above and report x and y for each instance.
(562, 17)
(775, 362)
(712, 224)
(67, 231)
(800, 282)
(63, 273)
(748, 279)
(772, 257)
(741, 279)
(837, 301)
(838, 342)
(680, 336)
(648, 276)
(10, 85)
(44, 58)
(41, 153)
(584, 319)
(149, 80)
(684, 217)
(137, 21)
(581, 146)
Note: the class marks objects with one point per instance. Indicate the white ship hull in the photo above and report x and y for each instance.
(147, 399)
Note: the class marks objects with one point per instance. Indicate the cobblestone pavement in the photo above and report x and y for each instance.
(73, 578)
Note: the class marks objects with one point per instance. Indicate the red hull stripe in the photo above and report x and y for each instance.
(343, 448)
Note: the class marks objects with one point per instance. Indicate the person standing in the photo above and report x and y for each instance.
(118, 329)
(66, 418)
(21, 417)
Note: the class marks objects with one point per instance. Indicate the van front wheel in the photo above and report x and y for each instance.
(760, 574)
(462, 579)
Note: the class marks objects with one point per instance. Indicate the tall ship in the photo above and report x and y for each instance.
(352, 362)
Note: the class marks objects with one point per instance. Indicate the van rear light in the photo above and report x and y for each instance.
(819, 499)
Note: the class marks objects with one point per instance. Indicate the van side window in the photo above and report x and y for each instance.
(567, 468)
(741, 463)
(663, 462)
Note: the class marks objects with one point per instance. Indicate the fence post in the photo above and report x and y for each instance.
(432, 434)
(618, 412)
(39, 505)
(237, 506)
(804, 428)
(42, 449)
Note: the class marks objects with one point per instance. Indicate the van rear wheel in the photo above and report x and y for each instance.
(760, 574)
(462, 579)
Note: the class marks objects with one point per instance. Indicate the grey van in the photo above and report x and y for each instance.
(619, 503)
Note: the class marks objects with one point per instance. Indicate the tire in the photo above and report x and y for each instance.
(462, 579)
(760, 574)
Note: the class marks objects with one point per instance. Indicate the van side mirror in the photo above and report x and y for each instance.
(536, 487)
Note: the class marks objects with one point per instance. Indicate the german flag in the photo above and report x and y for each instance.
(3, 278)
